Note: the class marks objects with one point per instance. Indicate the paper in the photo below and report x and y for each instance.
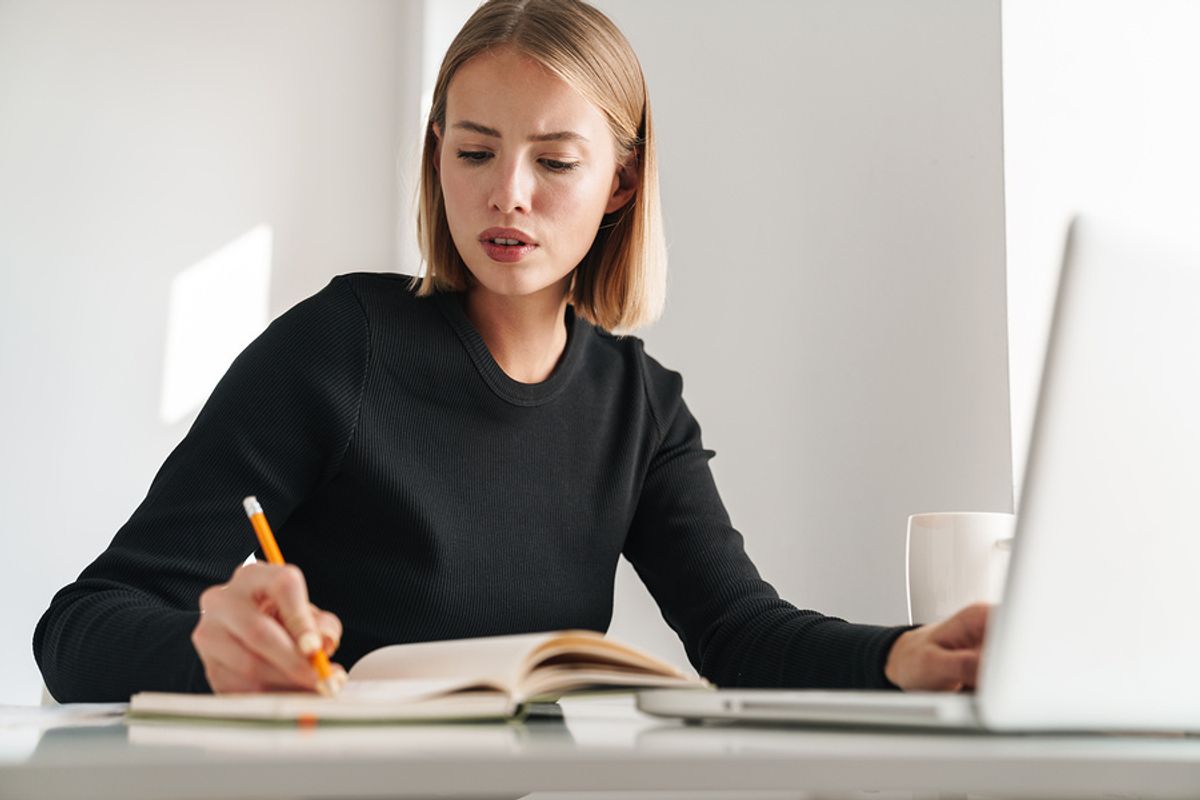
(59, 716)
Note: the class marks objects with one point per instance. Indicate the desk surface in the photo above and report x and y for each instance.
(603, 745)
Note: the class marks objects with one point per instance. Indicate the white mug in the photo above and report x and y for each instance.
(955, 558)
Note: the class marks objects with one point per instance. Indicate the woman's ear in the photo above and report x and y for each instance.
(437, 148)
(624, 185)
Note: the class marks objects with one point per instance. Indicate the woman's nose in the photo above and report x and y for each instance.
(512, 189)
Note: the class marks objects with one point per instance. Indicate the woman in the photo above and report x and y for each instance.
(471, 454)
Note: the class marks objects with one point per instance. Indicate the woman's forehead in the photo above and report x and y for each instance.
(512, 94)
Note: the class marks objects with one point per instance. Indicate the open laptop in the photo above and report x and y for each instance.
(1099, 626)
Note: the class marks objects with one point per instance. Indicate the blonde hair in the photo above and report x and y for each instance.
(621, 282)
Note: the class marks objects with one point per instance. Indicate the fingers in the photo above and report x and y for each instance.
(953, 662)
(266, 638)
(940, 670)
(231, 666)
(970, 669)
(331, 629)
(236, 636)
(965, 629)
(283, 587)
(942, 657)
(957, 669)
(233, 669)
(255, 630)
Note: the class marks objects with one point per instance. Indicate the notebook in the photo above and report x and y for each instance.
(1096, 630)
(480, 678)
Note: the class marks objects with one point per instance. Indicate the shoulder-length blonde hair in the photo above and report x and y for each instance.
(621, 282)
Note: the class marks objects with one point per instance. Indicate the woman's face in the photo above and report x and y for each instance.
(525, 158)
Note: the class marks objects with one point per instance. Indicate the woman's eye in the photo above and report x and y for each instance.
(480, 156)
(559, 166)
(474, 156)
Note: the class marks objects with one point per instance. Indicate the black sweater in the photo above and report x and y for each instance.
(426, 495)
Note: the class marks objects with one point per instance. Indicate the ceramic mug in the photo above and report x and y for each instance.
(955, 558)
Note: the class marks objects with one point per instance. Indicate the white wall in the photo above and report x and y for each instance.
(1100, 113)
(832, 183)
(142, 141)
(832, 180)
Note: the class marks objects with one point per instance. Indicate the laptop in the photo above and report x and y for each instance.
(1099, 625)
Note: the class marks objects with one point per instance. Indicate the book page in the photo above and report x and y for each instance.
(589, 647)
(498, 661)
(580, 659)
(411, 689)
(549, 683)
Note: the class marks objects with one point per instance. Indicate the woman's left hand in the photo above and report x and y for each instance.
(942, 657)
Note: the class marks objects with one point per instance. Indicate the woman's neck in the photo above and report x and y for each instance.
(525, 335)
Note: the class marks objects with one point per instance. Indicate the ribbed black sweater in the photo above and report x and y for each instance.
(426, 495)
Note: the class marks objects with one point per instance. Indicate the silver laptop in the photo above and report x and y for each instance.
(1099, 627)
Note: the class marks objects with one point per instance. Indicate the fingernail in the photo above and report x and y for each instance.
(309, 642)
(332, 685)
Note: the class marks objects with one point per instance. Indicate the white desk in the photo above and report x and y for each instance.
(605, 748)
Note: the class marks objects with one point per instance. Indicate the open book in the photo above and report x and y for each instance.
(480, 678)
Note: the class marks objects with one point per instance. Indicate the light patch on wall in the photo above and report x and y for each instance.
(216, 307)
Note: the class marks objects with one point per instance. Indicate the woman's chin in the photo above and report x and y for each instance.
(513, 281)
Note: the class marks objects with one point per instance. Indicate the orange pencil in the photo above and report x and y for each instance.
(329, 684)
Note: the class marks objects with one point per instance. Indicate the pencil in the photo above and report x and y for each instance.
(328, 684)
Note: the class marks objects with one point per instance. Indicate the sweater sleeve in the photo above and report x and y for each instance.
(735, 628)
(275, 426)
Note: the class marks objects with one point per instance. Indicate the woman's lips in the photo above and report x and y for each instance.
(507, 253)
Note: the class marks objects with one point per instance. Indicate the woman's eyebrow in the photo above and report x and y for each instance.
(556, 136)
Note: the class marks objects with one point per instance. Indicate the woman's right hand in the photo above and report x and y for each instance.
(256, 630)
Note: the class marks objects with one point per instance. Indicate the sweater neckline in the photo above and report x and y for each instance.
(508, 389)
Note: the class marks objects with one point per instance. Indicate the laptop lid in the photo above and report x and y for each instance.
(1098, 628)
